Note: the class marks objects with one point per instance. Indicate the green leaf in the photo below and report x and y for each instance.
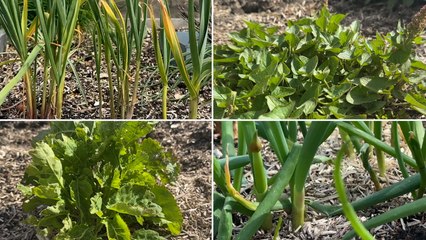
(360, 95)
(346, 54)
(136, 201)
(117, 229)
(22, 71)
(261, 79)
(417, 102)
(49, 167)
(401, 55)
(279, 112)
(96, 204)
(78, 232)
(310, 65)
(375, 84)
(171, 210)
(282, 92)
(143, 234)
(51, 191)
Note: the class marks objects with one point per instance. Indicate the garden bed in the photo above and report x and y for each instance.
(192, 189)
(148, 105)
(320, 187)
(271, 71)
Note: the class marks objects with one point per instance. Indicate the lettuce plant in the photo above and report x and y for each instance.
(100, 180)
(318, 68)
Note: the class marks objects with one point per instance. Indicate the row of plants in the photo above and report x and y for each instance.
(45, 39)
(295, 146)
(100, 180)
(318, 68)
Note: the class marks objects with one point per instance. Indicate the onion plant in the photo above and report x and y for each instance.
(295, 146)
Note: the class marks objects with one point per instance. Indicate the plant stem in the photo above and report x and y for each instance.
(164, 99)
(379, 153)
(348, 210)
(193, 108)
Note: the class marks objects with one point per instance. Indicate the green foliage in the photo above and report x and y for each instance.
(317, 68)
(96, 179)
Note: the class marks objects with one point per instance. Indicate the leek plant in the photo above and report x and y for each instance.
(162, 56)
(54, 28)
(15, 24)
(117, 44)
(295, 146)
(199, 72)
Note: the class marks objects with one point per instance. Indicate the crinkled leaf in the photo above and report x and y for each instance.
(146, 234)
(78, 232)
(136, 201)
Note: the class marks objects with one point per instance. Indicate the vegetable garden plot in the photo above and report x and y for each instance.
(187, 187)
(317, 68)
(118, 75)
(291, 173)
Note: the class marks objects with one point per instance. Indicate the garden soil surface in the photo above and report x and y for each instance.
(190, 143)
(320, 187)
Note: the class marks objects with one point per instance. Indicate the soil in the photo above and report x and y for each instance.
(192, 189)
(75, 106)
(320, 186)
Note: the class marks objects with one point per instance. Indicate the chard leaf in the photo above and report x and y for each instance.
(48, 167)
(51, 191)
(170, 209)
(96, 204)
(78, 232)
(117, 228)
(146, 234)
(135, 201)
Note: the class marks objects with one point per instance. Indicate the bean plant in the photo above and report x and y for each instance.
(318, 68)
(100, 180)
(295, 146)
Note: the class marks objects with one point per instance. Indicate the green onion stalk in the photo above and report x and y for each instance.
(317, 133)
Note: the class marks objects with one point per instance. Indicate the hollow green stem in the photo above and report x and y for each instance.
(379, 153)
(375, 142)
(347, 207)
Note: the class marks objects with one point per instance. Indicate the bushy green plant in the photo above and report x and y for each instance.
(100, 180)
(318, 68)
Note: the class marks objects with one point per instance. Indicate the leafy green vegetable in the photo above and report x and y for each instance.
(318, 68)
(96, 180)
